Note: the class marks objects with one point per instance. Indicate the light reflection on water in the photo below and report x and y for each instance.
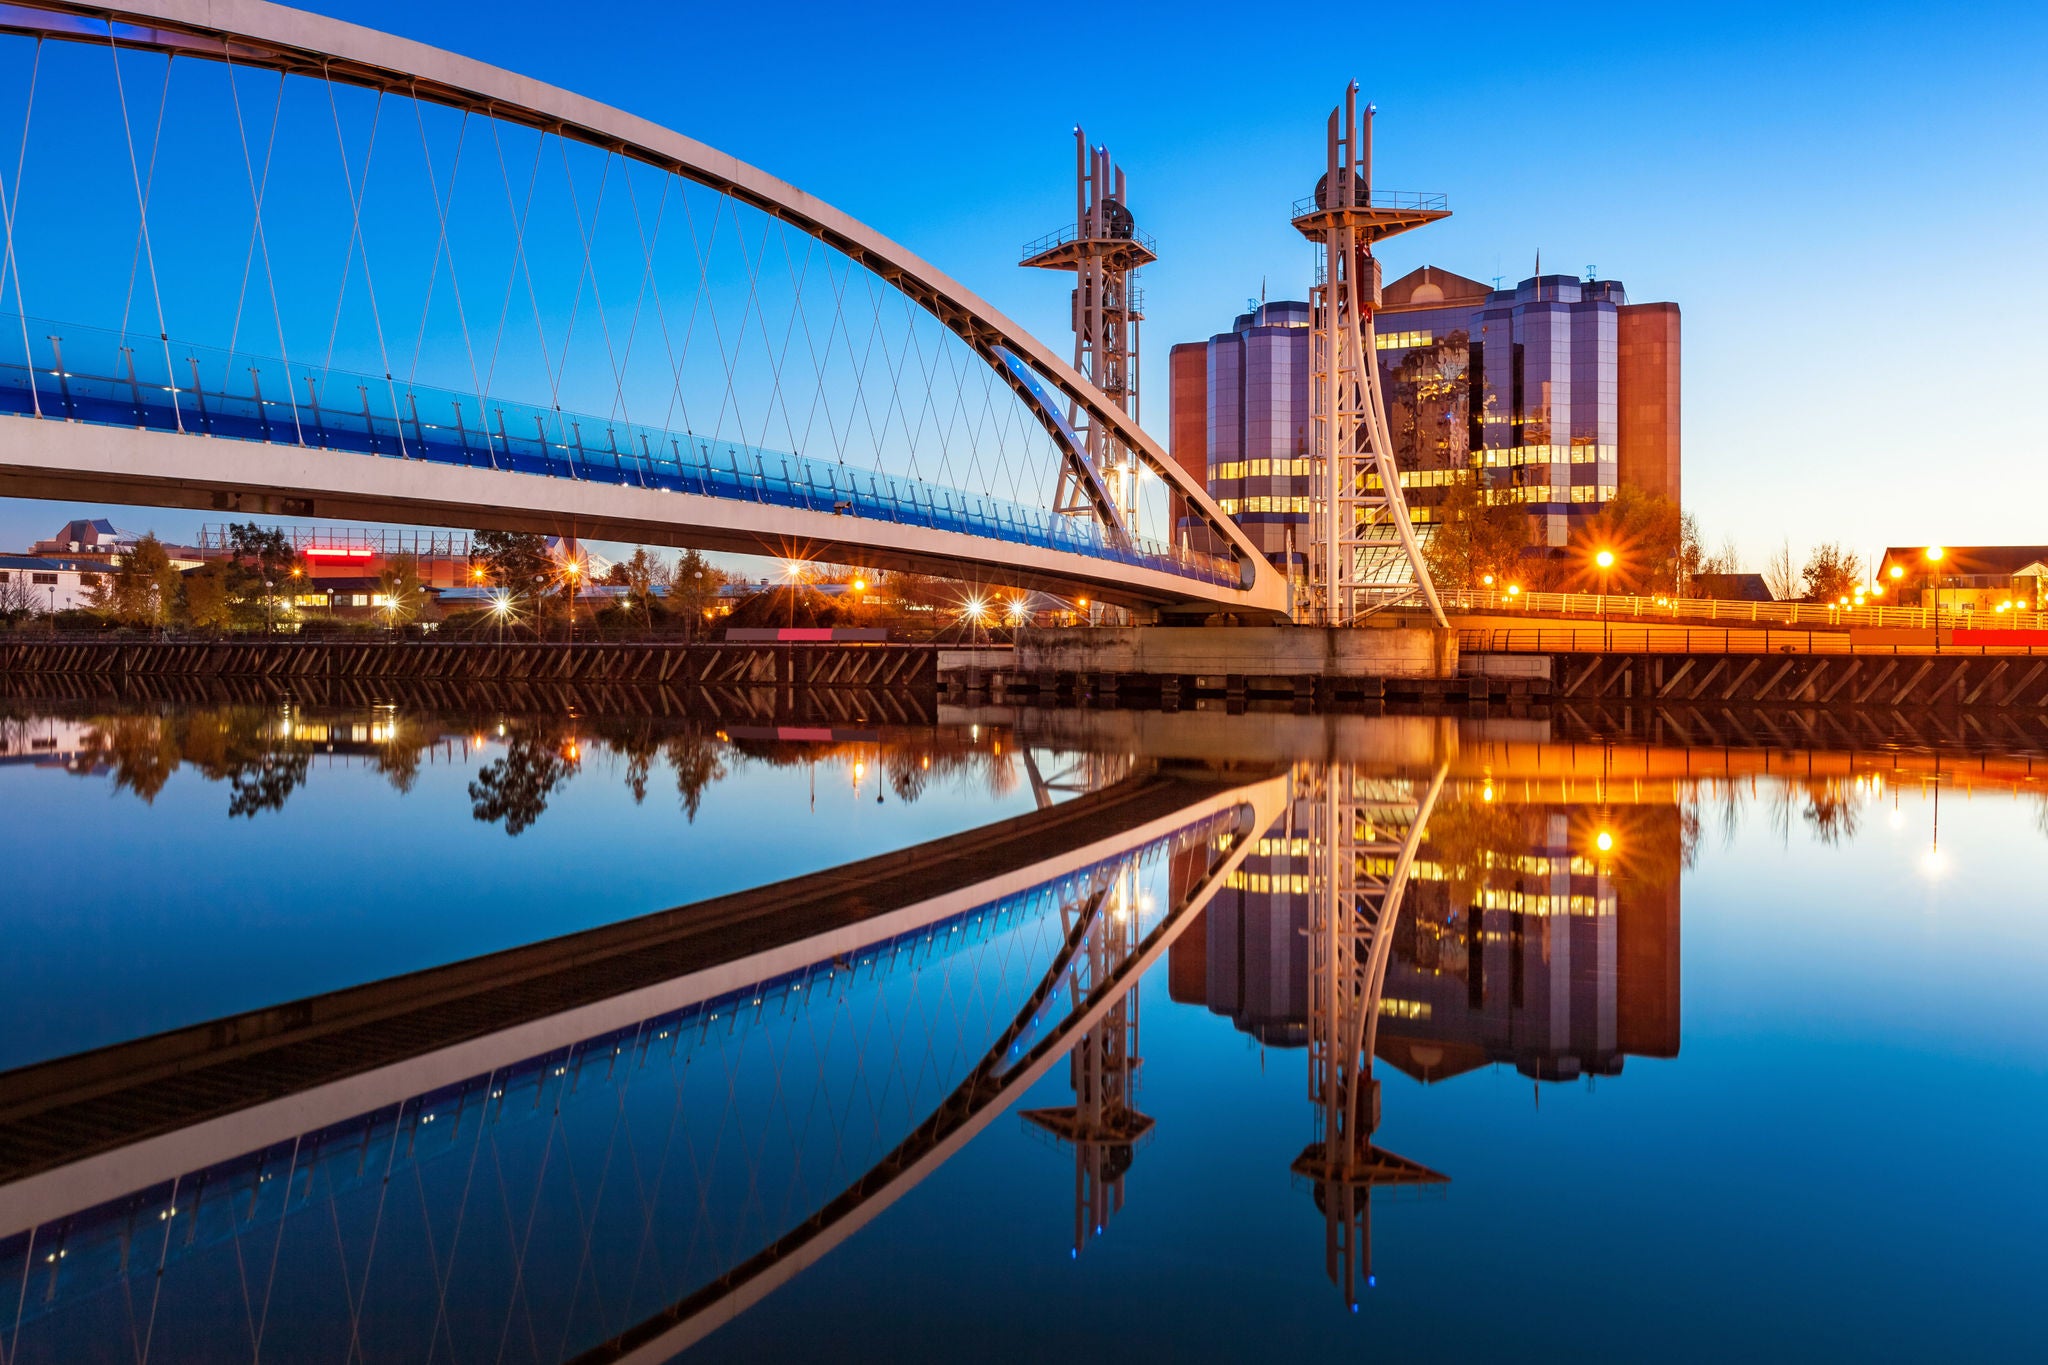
(1674, 1052)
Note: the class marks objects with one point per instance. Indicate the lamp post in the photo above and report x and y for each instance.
(792, 573)
(572, 571)
(1934, 558)
(1605, 559)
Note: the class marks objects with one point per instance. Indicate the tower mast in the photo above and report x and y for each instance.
(1104, 250)
(1363, 551)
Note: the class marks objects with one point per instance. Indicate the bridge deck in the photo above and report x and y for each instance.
(365, 415)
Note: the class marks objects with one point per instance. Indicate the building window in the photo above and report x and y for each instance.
(43, 578)
(1402, 341)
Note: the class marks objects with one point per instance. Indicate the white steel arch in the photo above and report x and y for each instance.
(259, 34)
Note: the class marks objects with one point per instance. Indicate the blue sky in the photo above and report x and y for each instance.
(1845, 201)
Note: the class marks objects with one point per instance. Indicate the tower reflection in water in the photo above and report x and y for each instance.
(1439, 927)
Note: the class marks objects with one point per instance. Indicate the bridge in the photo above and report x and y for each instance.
(685, 1110)
(408, 286)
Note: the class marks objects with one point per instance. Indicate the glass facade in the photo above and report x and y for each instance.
(1258, 406)
(1519, 385)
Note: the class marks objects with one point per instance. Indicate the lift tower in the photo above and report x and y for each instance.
(1104, 250)
(1103, 1124)
(1363, 552)
(1363, 835)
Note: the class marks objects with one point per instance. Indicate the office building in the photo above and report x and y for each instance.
(1556, 392)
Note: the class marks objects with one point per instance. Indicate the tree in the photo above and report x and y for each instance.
(693, 583)
(517, 561)
(1726, 560)
(144, 585)
(1477, 534)
(260, 558)
(17, 596)
(398, 588)
(1644, 531)
(206, 597)
(1692, 555)
(1831, 573)
(638, 574)
(1779, 575)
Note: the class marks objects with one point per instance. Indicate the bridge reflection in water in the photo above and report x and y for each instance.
(597, 1147)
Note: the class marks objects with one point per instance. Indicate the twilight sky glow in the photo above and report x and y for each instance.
(1829, 192)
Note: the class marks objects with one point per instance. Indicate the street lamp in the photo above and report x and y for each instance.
(1934, 558)
(793, 574)
(501, 607)
(1605, 559)
(572, 571)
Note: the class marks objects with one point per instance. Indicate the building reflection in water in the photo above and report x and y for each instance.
(1439, 928)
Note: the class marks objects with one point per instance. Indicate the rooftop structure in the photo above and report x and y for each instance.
(86, 535)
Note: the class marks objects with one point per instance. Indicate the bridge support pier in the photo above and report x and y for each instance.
(1395, 649)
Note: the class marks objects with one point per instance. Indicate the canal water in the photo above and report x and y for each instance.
(613, 1031)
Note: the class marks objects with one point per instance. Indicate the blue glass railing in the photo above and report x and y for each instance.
(84, 375)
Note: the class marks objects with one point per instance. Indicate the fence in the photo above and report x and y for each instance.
(1617, 637)
(1812, 615)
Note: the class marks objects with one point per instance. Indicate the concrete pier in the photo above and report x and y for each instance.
(1172, 665)
(1395, 649)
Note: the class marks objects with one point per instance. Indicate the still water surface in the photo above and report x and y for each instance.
(1675, 1054)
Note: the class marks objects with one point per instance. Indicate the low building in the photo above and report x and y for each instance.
(1971, 578)
(1733, 587)
(39, 584)
(441, 559)
(356, 598)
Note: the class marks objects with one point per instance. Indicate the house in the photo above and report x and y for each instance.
(1733, 587)
(1971, 578)
(40, 584)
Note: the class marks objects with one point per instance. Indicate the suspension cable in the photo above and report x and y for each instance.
(142, 210)
(9, 202)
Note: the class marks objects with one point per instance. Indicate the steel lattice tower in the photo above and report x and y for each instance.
(1104, 249)
(1363, 835)
(1103, 1124)
(1363, 551)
